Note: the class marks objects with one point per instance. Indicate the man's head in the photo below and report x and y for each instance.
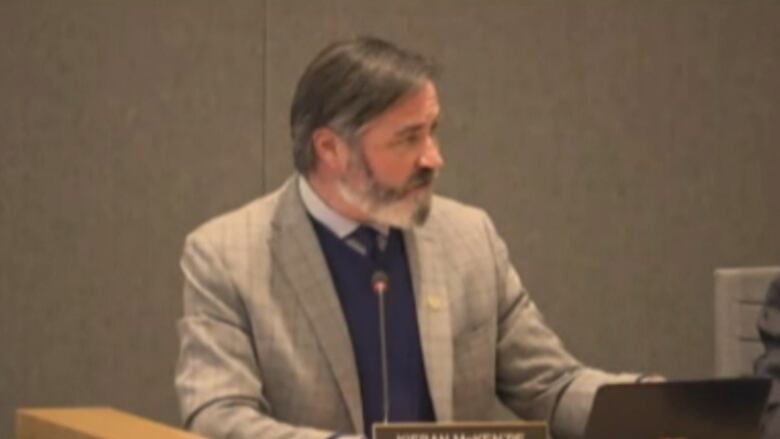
(363, 119)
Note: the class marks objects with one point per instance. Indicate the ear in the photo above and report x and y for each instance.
(332, 152)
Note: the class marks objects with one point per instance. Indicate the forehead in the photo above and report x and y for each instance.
(418, 107)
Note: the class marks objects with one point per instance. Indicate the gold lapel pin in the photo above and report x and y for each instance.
(435, 302)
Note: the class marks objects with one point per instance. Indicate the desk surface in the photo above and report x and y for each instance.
(91, 423)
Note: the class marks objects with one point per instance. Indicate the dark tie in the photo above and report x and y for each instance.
(367, 239)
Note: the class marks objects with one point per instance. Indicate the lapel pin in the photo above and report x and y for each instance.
(435, 302)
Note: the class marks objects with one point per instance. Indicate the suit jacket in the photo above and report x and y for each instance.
(265, 350)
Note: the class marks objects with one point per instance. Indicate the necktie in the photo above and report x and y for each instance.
(367, 242)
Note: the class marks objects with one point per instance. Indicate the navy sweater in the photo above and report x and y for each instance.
(351, 272)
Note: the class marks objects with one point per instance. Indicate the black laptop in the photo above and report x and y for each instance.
(709, 409)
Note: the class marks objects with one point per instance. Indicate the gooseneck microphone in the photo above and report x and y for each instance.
(380, 285)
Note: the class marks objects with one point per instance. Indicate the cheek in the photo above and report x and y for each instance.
(395, 172)
(391, 167)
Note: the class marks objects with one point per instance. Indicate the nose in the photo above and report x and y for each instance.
(431, 157)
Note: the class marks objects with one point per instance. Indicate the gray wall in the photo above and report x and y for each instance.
(624, 148)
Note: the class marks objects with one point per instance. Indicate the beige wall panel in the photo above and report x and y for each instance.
(624, 149)
(122, 126)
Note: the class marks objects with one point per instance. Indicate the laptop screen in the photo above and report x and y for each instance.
(708, 409)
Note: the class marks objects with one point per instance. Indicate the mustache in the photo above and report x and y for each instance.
(422, 177)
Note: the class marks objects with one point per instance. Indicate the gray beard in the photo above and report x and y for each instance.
(386, 205)
(403, 212)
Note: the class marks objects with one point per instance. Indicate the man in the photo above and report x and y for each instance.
(280, 331)
(768, 364)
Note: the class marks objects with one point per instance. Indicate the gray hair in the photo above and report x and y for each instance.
(348, 84)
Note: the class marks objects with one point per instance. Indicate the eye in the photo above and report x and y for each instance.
(416, 137)
(408, 140)
(413, 139)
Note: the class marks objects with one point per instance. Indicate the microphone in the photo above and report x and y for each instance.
(380, 284)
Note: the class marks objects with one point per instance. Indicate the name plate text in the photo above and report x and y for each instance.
(462, 430)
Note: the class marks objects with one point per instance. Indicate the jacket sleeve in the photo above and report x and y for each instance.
(769, 330)
(536, 376)
(768, 364)
(217, 379)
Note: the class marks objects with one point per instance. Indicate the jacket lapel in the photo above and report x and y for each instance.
(298, 255)
(430, 286)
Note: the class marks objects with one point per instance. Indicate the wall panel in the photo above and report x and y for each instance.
(122, 126)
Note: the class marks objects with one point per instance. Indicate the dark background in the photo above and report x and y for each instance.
(625, 149)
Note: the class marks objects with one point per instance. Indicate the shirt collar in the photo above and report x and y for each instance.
(340, 225)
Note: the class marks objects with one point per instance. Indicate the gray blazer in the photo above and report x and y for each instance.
(265, 351)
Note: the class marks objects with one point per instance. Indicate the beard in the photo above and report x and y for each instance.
(404, 207)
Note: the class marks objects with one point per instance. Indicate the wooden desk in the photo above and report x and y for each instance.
(91, 423)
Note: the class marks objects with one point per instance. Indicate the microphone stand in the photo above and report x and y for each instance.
(379, 281)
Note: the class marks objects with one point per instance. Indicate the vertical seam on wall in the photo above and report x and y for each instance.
(264, 105)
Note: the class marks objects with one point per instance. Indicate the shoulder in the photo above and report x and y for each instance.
(447, 212)
(241, 225)
(460, 225)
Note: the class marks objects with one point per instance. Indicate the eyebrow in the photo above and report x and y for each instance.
(409, 129)
(414, 128)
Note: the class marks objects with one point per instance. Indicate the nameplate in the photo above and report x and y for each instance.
(462, 430)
